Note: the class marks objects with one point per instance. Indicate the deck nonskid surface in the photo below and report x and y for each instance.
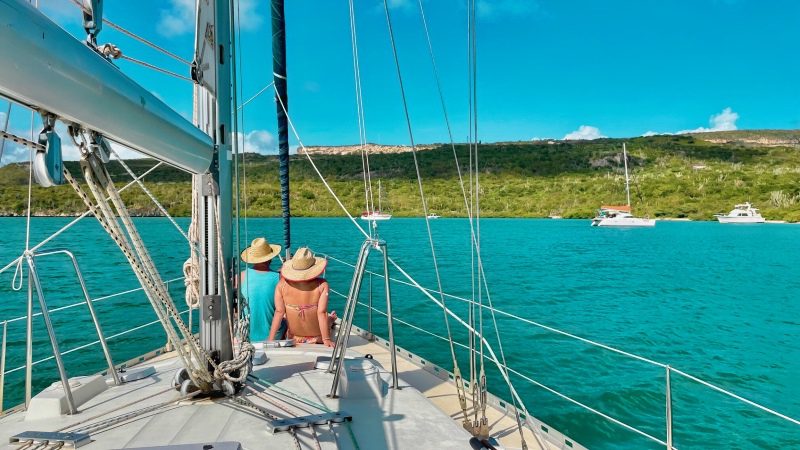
(388, 419)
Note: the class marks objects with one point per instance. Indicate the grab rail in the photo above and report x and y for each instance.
(668, 369)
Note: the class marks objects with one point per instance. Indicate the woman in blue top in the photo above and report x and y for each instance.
(258, 287)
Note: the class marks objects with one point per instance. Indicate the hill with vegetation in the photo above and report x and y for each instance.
(684, 176)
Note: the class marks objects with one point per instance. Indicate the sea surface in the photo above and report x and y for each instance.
(719, 302)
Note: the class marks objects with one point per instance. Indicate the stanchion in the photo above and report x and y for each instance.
(346, 325)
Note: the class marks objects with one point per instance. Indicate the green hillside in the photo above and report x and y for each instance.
(673, 176)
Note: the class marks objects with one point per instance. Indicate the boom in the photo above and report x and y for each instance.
(44, 67)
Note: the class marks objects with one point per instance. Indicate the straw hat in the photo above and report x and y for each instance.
(303, 266)
(260, 251)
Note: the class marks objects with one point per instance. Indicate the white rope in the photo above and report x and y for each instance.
(256, 95)
(191, 267)
(141, 263)
(17, 280)
(316, 169)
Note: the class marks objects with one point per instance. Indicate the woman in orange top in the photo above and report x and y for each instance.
(302, 297)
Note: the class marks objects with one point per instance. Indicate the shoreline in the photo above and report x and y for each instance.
(659, 219)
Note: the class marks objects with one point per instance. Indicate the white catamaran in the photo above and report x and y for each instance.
(621, 215)
(215, 389)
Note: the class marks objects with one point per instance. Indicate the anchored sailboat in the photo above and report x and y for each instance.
(377, 214)
(621, 215)
(216, 389)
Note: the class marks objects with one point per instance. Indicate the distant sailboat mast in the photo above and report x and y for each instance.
(380, 195)
(627, 179)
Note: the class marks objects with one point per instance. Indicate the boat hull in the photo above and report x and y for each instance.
(623, 222)
(376, 217)
(749, 219)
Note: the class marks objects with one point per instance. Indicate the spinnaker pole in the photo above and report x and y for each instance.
(282, 104)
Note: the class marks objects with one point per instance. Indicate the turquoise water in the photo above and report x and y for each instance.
(719, 302)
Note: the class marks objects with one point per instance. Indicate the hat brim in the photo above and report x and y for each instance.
(312, 272)
(250, 258)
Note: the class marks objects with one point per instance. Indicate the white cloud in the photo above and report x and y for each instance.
(725, 120)
(249, 18)
(179, 17)
(258, 141)
(584, 133)
(490, 9)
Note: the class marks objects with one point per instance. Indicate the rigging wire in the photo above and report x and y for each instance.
(456, 369)
(362, 126)
(414, 283)
(137, 37)
(238, 77)
(153, 67)
(149, 194)
(254, 96)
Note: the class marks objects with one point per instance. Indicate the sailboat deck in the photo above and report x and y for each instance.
(424, 413)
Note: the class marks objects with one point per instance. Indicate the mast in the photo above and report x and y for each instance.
(212, 71)
(627, 181)
(282, 101)
(380, 194)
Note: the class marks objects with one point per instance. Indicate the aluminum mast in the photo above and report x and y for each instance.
(214, 114)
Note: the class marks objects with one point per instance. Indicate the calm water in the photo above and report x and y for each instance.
(719, 302)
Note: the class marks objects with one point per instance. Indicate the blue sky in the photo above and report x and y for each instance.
(547, 68)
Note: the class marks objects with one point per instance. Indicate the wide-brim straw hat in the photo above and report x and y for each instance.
(303, 266)
(260, 251)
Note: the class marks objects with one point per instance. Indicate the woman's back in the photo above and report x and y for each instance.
(302, 302)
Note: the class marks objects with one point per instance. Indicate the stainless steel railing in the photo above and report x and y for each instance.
(668, 369)
(45, 312)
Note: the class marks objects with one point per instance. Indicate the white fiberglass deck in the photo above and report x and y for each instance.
(424, 413)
